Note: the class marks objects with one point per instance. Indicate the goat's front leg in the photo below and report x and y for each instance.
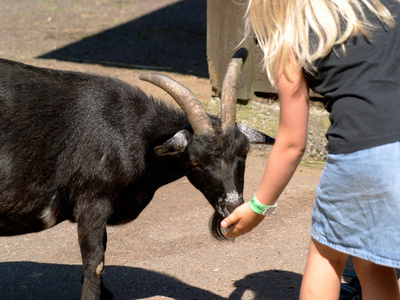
(92, 236)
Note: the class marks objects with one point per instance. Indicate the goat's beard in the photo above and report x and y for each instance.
(215, 227)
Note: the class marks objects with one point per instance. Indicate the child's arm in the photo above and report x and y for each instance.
(285, 154)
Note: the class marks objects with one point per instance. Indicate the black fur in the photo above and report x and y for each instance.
(80, 147)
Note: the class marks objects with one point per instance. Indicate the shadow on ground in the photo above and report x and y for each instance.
(171, 39)
(30, 280)
(271, 285)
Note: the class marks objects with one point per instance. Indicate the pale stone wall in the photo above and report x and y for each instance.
(264, 116)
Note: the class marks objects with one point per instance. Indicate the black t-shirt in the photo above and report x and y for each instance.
(362, 88)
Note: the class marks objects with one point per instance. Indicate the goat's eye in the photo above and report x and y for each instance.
(195, 163)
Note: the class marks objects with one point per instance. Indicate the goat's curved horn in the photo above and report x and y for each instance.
(198, 118)
(230, 89)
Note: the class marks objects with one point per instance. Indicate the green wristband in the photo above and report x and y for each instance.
(260, 208)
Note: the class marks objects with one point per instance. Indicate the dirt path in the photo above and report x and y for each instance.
(167, 253)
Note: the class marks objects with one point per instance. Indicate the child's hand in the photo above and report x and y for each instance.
(241, 221)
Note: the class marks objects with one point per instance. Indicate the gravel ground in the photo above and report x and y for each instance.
(167, 253)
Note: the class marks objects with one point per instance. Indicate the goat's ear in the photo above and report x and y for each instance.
(255, 136)
(178, 143)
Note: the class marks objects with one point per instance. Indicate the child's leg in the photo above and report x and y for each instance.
(377, 282)
(323, 273)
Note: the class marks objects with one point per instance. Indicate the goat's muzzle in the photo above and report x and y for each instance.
(224, 207)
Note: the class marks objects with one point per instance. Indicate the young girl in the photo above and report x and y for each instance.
(349, 52)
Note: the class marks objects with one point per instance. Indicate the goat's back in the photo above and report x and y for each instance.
(60, 131)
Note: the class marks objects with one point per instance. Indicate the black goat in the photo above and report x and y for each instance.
(94, 150)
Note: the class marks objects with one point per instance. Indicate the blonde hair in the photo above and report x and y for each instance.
(282, 28)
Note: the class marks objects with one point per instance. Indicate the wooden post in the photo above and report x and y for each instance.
(226, 34)
(226, 31)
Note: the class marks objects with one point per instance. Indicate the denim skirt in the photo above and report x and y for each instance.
(357, 206)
